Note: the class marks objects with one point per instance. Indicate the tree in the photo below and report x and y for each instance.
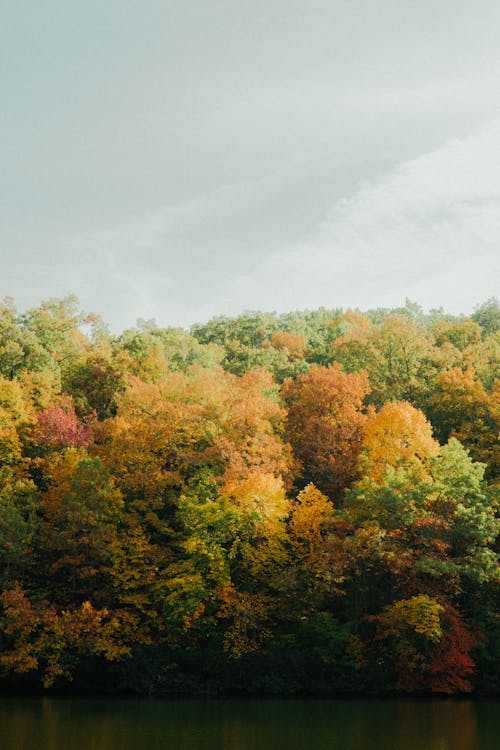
(81, 509)
(325, 425)
(20, 348)
(38, 636)
(428, 645)
(316, 554)
(19, 526)
(397, 436)
(460, 407)
(398, 355)
(56, 324)
(461, 497)
(59, 427)
(484, 359)
(93, 383)
(16, 422)
(488, 316)
(460, 333)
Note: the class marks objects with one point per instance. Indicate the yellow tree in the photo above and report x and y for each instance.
(397, 436)
(315, 548)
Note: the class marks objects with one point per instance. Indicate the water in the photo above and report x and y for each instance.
(83, 724)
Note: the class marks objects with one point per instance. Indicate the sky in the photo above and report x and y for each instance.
(180, 160)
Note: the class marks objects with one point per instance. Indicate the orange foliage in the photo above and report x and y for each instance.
(292, 342)
(165, 430)
(325, 424)
(42, 637)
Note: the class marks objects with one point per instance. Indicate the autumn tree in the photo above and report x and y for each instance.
(317, 558)
(325, 425)
(59, 426)
(166, 504)
(429, 647)
(461, 407)
(399, 356)
(398, 435)
(39, 637)
(80, 509)
(93, 382)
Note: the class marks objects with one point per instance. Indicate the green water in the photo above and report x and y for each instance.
(59, 724)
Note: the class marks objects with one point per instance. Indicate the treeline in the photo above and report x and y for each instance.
(299, 503)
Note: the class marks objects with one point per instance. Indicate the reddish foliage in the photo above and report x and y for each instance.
(59, 426)
(451, 663)
(448, 664)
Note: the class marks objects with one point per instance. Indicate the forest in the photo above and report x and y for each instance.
(274, 504)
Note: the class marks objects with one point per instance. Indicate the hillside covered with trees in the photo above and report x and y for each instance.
(277, 504)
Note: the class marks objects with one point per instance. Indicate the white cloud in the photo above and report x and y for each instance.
(429, 230)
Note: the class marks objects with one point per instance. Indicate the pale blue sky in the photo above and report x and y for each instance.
(182, 159)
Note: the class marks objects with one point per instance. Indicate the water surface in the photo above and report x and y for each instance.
(84, 724)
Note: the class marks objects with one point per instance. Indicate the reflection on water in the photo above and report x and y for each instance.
(81, 724)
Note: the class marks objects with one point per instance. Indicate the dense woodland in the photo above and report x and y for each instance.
(302, 503)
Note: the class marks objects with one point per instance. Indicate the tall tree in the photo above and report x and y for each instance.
(325, 425)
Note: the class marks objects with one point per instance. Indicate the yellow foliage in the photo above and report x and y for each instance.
(310, 511)
(396, 436)
(420, 614)
(263, 494)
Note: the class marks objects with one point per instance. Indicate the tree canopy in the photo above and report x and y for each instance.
(296, 503)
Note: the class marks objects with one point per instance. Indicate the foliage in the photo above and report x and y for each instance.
(305, 502)
(325, 424)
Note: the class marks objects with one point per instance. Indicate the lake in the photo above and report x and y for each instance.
(88, 724)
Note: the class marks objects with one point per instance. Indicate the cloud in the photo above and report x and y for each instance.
(430, 230)
(427, 229)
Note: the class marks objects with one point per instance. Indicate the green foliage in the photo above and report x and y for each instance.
(305, 502)
(488, 316)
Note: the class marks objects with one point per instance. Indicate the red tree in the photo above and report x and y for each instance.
(59, 426)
